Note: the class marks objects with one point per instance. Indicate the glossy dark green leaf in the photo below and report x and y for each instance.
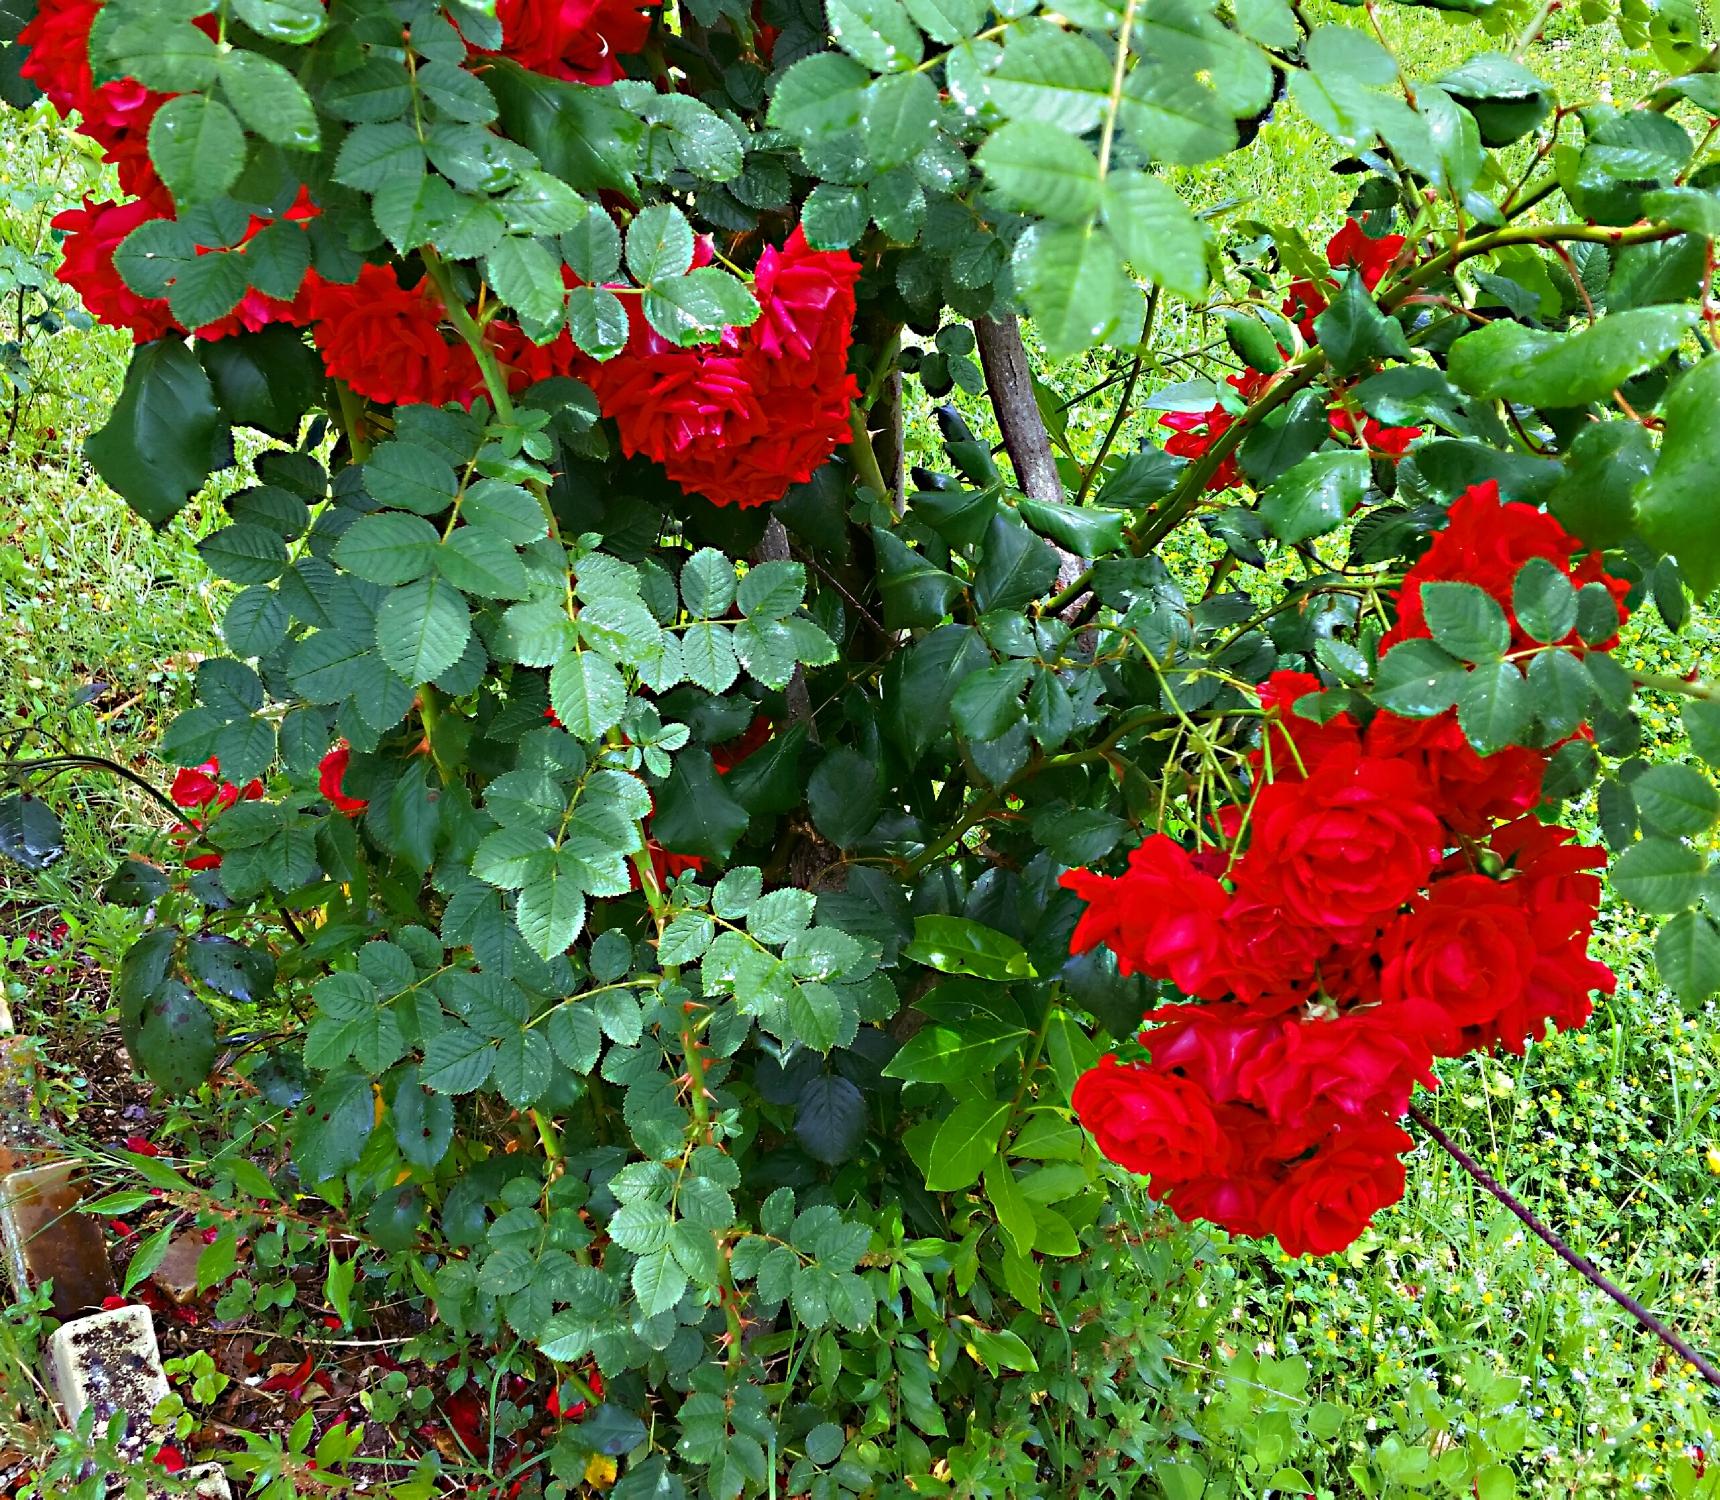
(159, 442)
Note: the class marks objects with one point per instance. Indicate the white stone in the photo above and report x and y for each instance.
(110, 1361)
(210, 1481)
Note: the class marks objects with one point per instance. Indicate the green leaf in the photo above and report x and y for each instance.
(1014, 1212)
(525, 275)
(1418, 680)
(1568, 369)
(1494, 706)
(954, 1054)
(271, 102)
(1677, 799)
(877, 32)
(1315, 496)
(843, 796)
(965, 1141)
(269, 379)
(707, 584)
(294, 22)
(699, 306)
(1043, 170)
(158, 445)
(389, 548)
(988, 704)
(1016, 568)
(1353, 332)
(820, 97)
(588, 695)
(422, 629)
(833, 216)
(30, 834)
(659, 244)
(1659, 876)
(173, 1039)
(197, 146)
(695, 813)
(1687, 953)
(1702, 728)
(1071, 277)
(1467, 621)
(597, 321)
(1052, 76)
(772, 590)
(479, 561)
(1675, 504)
(1156, 233)
(915, 591)
(1082, 529)
(958, 945)
(1543, 601)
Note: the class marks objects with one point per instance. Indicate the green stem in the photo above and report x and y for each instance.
(352, 421)
(1661, 683)
(862, 454)
(495, 382)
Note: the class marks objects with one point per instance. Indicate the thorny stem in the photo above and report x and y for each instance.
(693, 1052)
(1584, 1267)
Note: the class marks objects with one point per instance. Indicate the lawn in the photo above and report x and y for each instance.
(1446, 1339)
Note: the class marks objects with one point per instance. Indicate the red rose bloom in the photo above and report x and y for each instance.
(1210, 1045)
(1388, 442)
(1163, 917)
(1352, 1067)
(1298, 745)
(1194, 433)
(1344, 848)
(678, 407)
(1324, 1204)
(1457, 960)
(93, 232)
(1485, 542)
(1302, 304)
(386, 342)
(806, 301)
(1353, 248)
(1470, 792)
(331, 773)
(1150, 1122)
(581, 40)
(526, 363)
(740, 420)
(195, 786)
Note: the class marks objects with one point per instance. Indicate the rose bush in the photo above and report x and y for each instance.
(661, 854)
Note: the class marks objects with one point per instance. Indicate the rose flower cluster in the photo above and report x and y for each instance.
(737, 421)
(1385, 898)
(740, 420)
(1194, 432)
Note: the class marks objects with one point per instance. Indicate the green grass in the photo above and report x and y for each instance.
(1446, 1326)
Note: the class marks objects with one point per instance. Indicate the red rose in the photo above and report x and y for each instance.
(386, 342)
(1302, 304)
(1344, 848)
(1325, 1203)
(526, 363)
(1208, 1044)
(1163, 918)
(1388, 442)
(93, 232)
(1150, 1122)
(741, 420)
(1352, 247)
(806, 301)
(1357, 1066)
(1486, 542)
(331, 773)
(1274, 960)
(678, 407)
(1196, 432)
(196, 786)
(1297, 745)
(582, 40)
(1470, 792)
(1457, 960)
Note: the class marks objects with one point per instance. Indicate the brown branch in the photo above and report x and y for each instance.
(1009, 386)
(1584, 1267)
